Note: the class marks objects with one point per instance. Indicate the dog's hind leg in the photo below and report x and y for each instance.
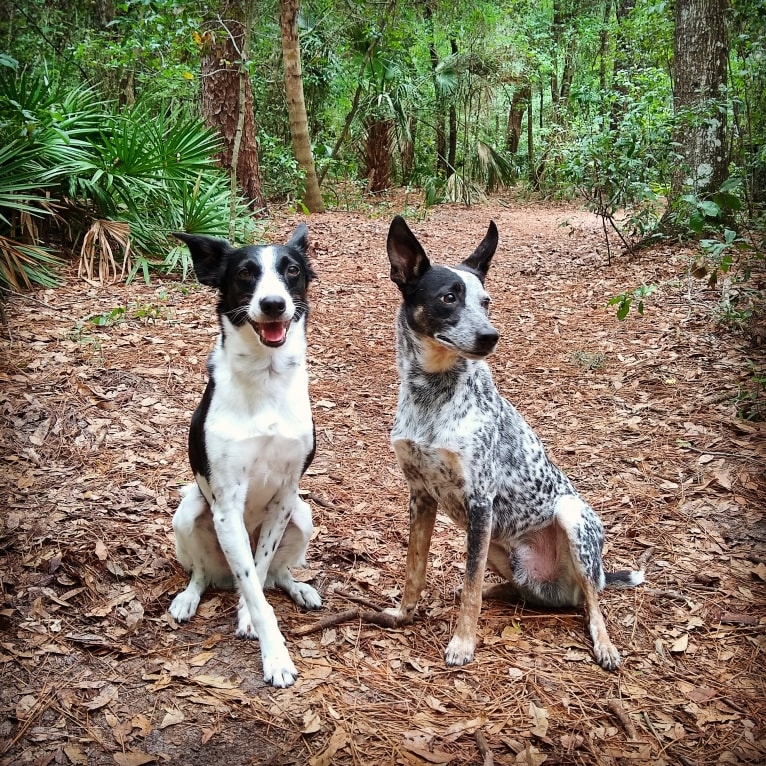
(461, 648)
(292, 552)
(422, 520)
(584, 532)
(192, 551)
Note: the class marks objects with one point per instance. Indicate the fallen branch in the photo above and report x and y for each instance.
(484, 750)
(320, 501)
(619, 712)
(373, 616)
(357, 599)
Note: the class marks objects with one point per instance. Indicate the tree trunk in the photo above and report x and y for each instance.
(377, 154)
(622, 61)
(565, 46)
(452, 150)
(700, 58)
(407, 148)
(296, 105)
(519, 103)
(439, 116)
(221, 72)
(354, 106)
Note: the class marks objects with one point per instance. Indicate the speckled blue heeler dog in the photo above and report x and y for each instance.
(464, 447)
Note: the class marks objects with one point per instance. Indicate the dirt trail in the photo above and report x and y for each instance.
(641, 414)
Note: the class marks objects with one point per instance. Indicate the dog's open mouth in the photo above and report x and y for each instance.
(271, 333)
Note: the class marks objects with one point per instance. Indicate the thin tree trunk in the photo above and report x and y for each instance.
(221, 106)
(452, 143)
(296, 105)
(354, 106)
(239, 130)
(530, 142)
(622, 60)
(700, 61)
(603, 45)
(439, 116)
(519, 103)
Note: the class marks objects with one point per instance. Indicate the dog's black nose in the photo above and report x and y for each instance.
(487, 340)
(272, 305)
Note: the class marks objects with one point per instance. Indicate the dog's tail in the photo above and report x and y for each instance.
(624, 578)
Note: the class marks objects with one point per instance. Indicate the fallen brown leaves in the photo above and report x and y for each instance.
(98, 383)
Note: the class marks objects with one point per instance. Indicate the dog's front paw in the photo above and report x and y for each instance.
(184, 606)
(306, 596)
(606, 655)
(245, 627)
(278, 669)
(459, 651)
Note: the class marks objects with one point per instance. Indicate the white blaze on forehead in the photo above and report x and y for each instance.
(270, 283)
(474, 289)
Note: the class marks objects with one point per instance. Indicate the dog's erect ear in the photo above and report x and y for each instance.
(300, 238)
(408, 259)
(207, 255)
(480, 259)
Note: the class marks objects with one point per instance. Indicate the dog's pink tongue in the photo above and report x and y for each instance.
(273, 332)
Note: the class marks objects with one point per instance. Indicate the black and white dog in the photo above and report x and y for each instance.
(463, 446)
(242, 523)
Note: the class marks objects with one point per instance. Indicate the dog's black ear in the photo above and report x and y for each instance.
(480, 259)
(299, 239)
(408, 259)
(207, 255)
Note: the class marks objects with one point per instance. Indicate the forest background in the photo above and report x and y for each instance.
(123, 121)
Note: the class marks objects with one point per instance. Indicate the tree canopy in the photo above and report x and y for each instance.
(457, 98)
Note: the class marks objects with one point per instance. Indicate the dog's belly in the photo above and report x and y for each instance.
(437, 470)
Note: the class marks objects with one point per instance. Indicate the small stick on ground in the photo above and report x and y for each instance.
(373, 616)
(643, 559)
(357, 599)
(320, 501)
(484, 751)
(619, 712)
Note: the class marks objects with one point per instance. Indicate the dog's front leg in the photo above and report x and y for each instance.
(479, 519)
(278, 668)
(422, 520)
(276, 518)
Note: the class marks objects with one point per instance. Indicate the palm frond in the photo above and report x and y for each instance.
(494, 168)
(22, 266)
(97, 258)
(465, 190)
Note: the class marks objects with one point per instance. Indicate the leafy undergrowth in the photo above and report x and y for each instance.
(98, 384)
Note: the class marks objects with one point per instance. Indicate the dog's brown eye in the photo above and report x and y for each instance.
(485, 304)
(293, 270)
(449, 298)
(243, 274)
